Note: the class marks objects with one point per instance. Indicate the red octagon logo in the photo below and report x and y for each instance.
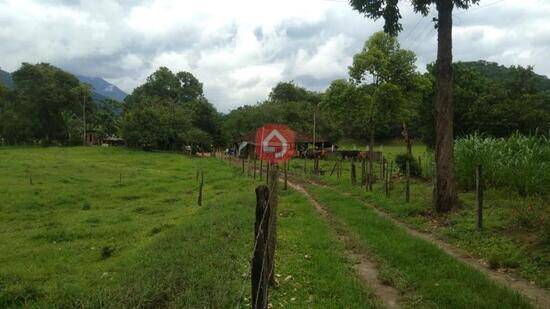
(274, 143)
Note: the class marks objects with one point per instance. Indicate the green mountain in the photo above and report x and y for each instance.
(501, 73)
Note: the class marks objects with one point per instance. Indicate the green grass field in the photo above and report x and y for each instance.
(119, 228)
(111, 227)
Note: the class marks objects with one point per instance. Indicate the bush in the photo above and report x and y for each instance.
(401, 162)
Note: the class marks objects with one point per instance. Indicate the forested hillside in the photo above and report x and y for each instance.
(503, 74)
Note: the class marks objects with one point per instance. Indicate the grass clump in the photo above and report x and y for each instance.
(107, 252)
(86, 206)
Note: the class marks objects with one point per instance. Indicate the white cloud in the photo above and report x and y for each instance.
(240, 49)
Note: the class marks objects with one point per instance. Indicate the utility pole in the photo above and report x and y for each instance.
(84, 117)
(314, 125)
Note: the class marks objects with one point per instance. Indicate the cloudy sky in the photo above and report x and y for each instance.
(240, 49)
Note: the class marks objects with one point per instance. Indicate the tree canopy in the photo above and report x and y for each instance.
(169, 111)
(37, 107)
(389, 10)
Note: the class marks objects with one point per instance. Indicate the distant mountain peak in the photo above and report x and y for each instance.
(103, 87)
(5, 79)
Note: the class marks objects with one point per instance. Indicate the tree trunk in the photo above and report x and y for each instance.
(445, 197)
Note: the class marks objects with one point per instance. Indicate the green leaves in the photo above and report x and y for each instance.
(168, 112)
(34, 109)
(383, 61)
(389, 10)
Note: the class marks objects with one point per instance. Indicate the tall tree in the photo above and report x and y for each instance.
(445, 196)
(390, 71)
(177, 112)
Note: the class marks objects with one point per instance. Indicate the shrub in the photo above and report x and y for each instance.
(401, 162)
(106, 252)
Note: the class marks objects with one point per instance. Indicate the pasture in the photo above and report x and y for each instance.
(117, 228)
(111, 227)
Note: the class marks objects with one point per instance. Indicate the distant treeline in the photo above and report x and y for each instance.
(169, 111)
(489, 99)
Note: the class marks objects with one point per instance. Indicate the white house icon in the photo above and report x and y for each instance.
(269, 146)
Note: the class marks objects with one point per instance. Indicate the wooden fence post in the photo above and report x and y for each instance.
(272, 233)
(479, 197)
(242, 161)
(267, 172)
(201, 185)
(261, 169)
(260, 270)
(390, 180)
(370, 175)
(286, 174)
(316, 166)
(353, 172)
(386, 179)
(407, 181)
(254, 167)
(363, 172)
(382, 169)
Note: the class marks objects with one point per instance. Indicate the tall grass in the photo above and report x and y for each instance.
(520, 163)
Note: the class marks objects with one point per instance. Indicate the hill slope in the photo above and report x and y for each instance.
(5, 79)
(494, 71)
(103, 88)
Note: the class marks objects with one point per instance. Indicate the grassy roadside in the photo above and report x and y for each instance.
(81, 237)
(414, 266)
(320, 276)
(511, 241)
